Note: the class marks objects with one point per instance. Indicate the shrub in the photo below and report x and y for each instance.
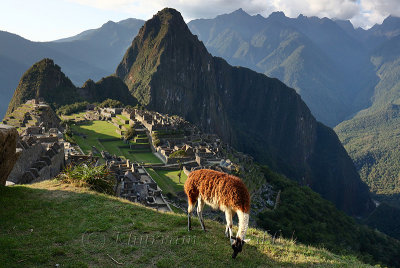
(178, 154)
(129, 134)
(109, 103)
(97, 178)
(72, 108)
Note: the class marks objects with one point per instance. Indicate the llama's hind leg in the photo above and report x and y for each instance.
(229, 223)
(191, 205)
(200, 206)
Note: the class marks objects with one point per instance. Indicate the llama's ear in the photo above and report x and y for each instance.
(246, 240)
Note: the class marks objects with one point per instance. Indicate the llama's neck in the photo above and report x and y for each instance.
(243, 224)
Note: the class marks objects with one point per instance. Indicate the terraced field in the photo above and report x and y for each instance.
(103, 136)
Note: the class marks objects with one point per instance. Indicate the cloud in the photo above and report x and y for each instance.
(364, 13)
(375, 11)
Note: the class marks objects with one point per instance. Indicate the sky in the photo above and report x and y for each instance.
(47, 20)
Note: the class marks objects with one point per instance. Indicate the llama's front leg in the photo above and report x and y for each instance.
(200, 206)
(229, 223)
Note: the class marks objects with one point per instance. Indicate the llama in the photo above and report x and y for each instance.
(220, 191)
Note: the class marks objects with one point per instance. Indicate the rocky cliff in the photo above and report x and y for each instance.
(8, 153)
(169, 70)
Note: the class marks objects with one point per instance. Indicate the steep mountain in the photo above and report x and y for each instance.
(169, 70)
(46, 80)
(317, 57)
(43, 80)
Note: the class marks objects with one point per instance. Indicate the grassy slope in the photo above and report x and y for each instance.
(74, 227)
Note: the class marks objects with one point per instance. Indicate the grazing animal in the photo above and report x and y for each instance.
(220, 191)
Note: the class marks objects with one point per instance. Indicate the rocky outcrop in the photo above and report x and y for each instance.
(45, 81)
(169, 70)
(8, 152)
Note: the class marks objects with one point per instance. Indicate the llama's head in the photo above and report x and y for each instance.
(237, 245)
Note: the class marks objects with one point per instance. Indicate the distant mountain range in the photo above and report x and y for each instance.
(91, 54)
(326, 61)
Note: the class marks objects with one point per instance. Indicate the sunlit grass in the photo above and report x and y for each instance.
(75, 227)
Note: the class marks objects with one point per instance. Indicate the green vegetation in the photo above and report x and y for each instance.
(304, 215)
(88, 229)
(76, 117)
(97, 178)
(371, 139)
(72, 108)
(168, 180)
(111, 103)
(178, 154)
(386, 219)
(130, 133)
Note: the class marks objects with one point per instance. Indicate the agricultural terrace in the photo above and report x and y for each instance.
(103, 136)
(77, 116)
(168, 180)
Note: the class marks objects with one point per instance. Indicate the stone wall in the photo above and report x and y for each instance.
(8, 151)
(28, 156)
(38, 161)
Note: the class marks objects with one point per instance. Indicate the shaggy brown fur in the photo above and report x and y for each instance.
(229, 191)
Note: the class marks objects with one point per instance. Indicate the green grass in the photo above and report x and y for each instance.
(76, 116)
(122, 117)
(168, 181)
(76, 227)
(95, 130)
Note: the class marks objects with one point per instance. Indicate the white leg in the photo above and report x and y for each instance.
(200, 206)
(190, 210)
(243, 224)
(229, 223)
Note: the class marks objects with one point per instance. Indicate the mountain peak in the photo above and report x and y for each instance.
(43, 80)
(240, 12)
(169, 15)
(277, 15)
(165, 31)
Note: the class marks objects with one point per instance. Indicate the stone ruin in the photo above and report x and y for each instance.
(136, 185)
(9, 152)
(38, 160)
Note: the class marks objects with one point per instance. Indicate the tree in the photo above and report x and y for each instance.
(130, 133)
